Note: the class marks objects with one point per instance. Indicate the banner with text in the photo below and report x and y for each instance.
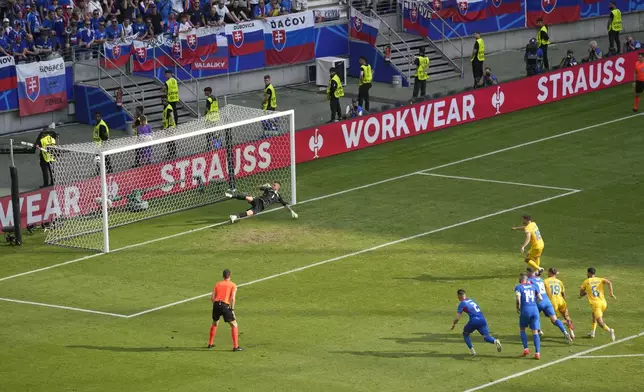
(245, 38)
(42, 87)
(289, 39)
(429, 116)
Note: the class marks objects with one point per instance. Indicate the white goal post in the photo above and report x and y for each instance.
(129, 179)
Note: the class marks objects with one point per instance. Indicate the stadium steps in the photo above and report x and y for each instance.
(148, 92)
(439, 66)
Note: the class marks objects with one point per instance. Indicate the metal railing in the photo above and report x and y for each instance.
(178, 67)
(406, 48)
(445, 38)
(121, 75)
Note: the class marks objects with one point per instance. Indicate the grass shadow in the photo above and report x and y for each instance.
(430, 278)
(424, 354)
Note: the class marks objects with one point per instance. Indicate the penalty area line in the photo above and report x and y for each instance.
(336, 193)
(498, 182)
(345, 256)
(580, 354)
(63, 307)
(610, 356)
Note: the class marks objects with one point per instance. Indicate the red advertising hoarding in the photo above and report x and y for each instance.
(474, 105)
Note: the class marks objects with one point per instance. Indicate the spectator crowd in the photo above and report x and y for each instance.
(35, 30)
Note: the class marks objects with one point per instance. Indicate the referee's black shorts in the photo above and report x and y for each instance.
(220, 309)
(256, 206)
(639, 87)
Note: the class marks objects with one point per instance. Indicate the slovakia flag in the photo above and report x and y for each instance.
(552, 11)
(8, 79)
(245, 38)
(362, 27)
(143, 55)
(416, 18)
(118, 53)
(470, 10)
(42, 87)
(214, 64)
(198, 43)
(503, 7)
(290, 39)
(443, 8)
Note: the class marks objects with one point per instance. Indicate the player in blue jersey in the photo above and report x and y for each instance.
(477, 321)
(545, 305)
(527, 296)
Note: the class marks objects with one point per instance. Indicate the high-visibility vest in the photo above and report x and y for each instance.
(272, 103)
(97, 134)
(173, 90)
(421, 71)
(168, 119)
(339, 91)
(480, 56)
(45, 142)
(541, 42)
(616, 24)
(367, 74)
(213, 112)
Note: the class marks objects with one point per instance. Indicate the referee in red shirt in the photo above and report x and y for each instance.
(223, 304)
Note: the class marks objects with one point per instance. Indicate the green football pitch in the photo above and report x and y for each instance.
(359, 293)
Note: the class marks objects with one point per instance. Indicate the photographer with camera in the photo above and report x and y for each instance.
(488, 78)
(568, 61)
(594, 53)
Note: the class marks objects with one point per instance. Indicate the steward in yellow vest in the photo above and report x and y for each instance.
(614, 28)
(478, 57)
(211, 114)
(169, 123)
(364, 85)
(421, 76)
(543, 40)
(47, 138)
(270, 99)
(102, 134)
(333, 93)
(171, 88)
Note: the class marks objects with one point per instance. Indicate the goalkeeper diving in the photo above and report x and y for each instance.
(258, 204)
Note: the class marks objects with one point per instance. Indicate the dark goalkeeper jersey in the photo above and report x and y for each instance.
(270, 196)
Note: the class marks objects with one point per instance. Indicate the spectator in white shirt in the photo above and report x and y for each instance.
(185, 25)
(95, 5)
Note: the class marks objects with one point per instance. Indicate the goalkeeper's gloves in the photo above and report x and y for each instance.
(294, 214)
(267, 185)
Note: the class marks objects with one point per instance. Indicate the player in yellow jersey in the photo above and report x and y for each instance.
(593, 287)
(534, 238)
(557, 294)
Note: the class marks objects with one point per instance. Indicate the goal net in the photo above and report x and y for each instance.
(129, 179)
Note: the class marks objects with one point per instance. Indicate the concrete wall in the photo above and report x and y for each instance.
(11, 122)
(248, 81)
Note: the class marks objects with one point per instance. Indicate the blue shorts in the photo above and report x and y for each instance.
(530, 320)
(546, 308)
(476, 325)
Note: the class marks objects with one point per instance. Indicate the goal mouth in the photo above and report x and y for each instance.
(154, 173)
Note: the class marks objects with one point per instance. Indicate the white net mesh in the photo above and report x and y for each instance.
(169, 171)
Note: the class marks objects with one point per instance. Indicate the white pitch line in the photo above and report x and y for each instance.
(359, 252)
(332, 194)
(560, 360)
(498, 182)
(611, 356)
(63, 307)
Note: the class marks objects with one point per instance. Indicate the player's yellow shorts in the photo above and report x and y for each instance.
(598, 309)
(535, 253)
(560, 306)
